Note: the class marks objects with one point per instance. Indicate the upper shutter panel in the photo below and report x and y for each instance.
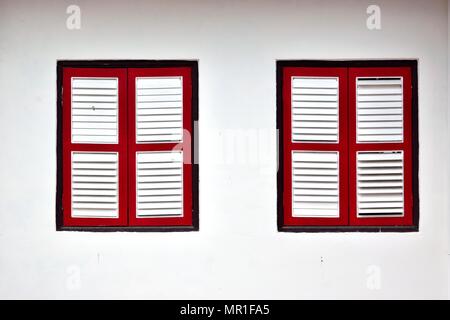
(380, 183)
(315, 184)
(94, 110)
(159, 177)
(315, 109)
(95, 185)
(159, 109)
(379, 109)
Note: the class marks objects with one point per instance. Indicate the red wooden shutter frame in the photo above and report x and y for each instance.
(341, 146)
(69, 147)
(405, 146)
(133, 147)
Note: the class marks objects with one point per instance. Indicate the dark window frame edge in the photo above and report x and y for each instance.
(131, 229)
(374, 63)
(193, 64)
(332, 229)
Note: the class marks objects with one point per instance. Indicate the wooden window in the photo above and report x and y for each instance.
(348, 146)
(126, 146)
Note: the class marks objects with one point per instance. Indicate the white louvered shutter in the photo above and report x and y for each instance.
(380, 187)
(95, 185)
(159, 183)
(379, 109)
(315, 184)
(315, 109)
(159, 109)
(94, 111)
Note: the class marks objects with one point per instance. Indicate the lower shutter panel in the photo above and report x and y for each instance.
(95, 185)
(159, 177)
(315, 184)
(380, 183)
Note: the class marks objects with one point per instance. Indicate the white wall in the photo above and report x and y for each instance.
(238, 252)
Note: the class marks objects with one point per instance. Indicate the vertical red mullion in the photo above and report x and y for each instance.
(407, 125)
(131, 147)
(287, 156)
(343, 148)
(68, 147)
(188, 141)
(352, 146)
(123, 179)
(67, 161)
(126, 146)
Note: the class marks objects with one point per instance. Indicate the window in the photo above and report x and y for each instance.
(126, 146)
(348, 151)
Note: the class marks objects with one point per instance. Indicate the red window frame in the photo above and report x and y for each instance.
(347, 147)
(126, 148)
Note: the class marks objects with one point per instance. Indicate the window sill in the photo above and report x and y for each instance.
(130, 229)
(311, 229)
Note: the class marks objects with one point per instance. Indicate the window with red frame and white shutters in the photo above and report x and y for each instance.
(347, 152)
(126, 147)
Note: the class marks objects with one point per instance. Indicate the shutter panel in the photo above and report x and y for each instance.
(381, 149)
(95, 184)
(379, 109)
(315, 148)
(160, 173)
(315, 184)
(159, 177)
(315, 102)
(94, 106)
(94, 114)
(380, 183)
(159, 112)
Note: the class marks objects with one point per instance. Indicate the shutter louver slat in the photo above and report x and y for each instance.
(315, 184)
(315, 109)
(380, 183)
(159, 177)
(379, 109)
(159, 109)
(95, 185)
(94, 110)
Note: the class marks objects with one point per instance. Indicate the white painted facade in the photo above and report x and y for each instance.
(238, 252)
